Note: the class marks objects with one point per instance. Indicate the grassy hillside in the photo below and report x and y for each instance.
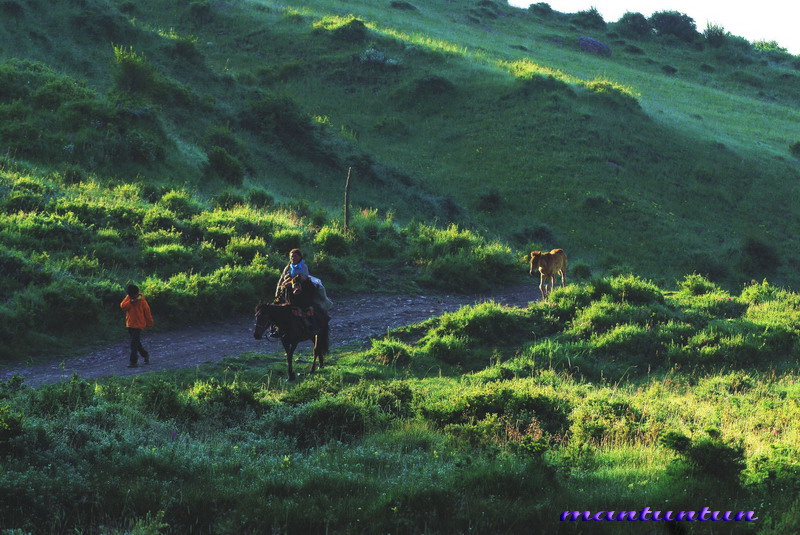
(187, 146)
(665, 157)
(614, 396)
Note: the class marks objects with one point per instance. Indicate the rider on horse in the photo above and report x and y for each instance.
(290, 290)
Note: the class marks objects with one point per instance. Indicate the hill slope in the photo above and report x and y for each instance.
(134, 135)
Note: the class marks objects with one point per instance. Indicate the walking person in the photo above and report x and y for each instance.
(137, 317)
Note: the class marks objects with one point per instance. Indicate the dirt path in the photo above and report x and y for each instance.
(354, 318)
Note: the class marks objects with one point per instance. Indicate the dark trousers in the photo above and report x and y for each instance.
(136, 345)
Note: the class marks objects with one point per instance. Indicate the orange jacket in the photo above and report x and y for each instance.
(137, 313)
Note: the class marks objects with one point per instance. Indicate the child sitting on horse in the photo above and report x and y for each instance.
(294, 275)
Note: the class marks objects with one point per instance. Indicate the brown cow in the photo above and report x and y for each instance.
(548, 264)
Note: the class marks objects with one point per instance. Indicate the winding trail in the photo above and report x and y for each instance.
(354, 318)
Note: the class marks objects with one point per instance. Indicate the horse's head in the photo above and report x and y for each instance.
(535, 258)
(262, 320)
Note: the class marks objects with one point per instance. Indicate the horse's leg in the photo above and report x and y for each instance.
(542, 285)
(314, 354)
(552, 282)
(289, 352)
(563, 277)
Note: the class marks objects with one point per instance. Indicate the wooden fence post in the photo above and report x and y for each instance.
(347, 201)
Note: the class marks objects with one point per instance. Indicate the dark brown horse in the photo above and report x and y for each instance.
(292, 326)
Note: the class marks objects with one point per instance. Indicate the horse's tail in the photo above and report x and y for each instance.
(321, 345)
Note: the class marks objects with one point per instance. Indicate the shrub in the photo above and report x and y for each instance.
(259, 198)
(222, 165)
(541, 9)
(200, 11)
(222, 136)
(10, 426)
(245, 248)
(715, 35)
(285, 240)
(181, 203)
(333, 241)
(491, 201)
(390, 351)
(589, 19)
(228, 199)
(632, 289)
(604, 418)
(281, 118)
(708, 456)
(758, 257)
(400, 4)
(144, 146)
(486, 323)
(794, 148)
(432, 86)
(168, 258)
(695, 284)
(447, 348)
(58, 91)
(327, 419)
(674, 23)
(159, 217)
(133, 73)
(634, 25)
(12, 9)
(348, 28)
(580, 270)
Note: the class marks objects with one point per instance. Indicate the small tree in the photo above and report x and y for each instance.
(715, 35)
(634, 25)
(675, 24)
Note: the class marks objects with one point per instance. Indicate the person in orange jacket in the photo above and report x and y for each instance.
(137, 317)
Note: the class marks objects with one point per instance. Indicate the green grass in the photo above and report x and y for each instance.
(508, 132)
(187, 147)
(73, 247)
(491, 435)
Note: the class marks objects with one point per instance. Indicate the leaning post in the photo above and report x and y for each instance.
(347, 201)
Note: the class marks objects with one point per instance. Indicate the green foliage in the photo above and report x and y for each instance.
(758, 257)
(222, 165)
(634, 25)
(541, 9)
(10, 426)
(134, 73)
(675, 24)
(569, 396)
(332, 241)
(695, 285)
(632, 289)
(402, 5)
(260, 198)
(708, 456)
(591, 19)
(715, 35)
(349, 28)
(390, 351)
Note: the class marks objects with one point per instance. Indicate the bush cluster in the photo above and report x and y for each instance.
(75, 245)
(399, 443)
